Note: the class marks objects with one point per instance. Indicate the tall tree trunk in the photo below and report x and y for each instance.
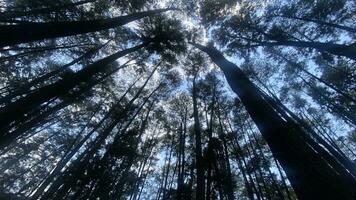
(182, 136)
(180, 163)
(255, 179)
(200, 191)
(327, 131)
(229, 183)
(209, 178)
(14, 34)
(165, 184)
(303, 160)
(208, 157)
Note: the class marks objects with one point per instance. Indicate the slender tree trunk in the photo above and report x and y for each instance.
(327, 131)
(77, 172)
(253, 173)
(165, 184)
(209, 177)
(208, 157)
(180, 164)
(182, 133)
(229, 183)
(281, 108)
(63, 162)
(200, 191)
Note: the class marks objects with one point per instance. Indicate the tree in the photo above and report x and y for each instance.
(262, 113)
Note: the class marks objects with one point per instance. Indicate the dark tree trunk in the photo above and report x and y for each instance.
(180, 165)
(284, 181)
(181, 174)
(229, 181)
(66, 158)
(301, 157)
(14, 34)
(330, 134)
(208, 157)
(165, 184)
(200, 191)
